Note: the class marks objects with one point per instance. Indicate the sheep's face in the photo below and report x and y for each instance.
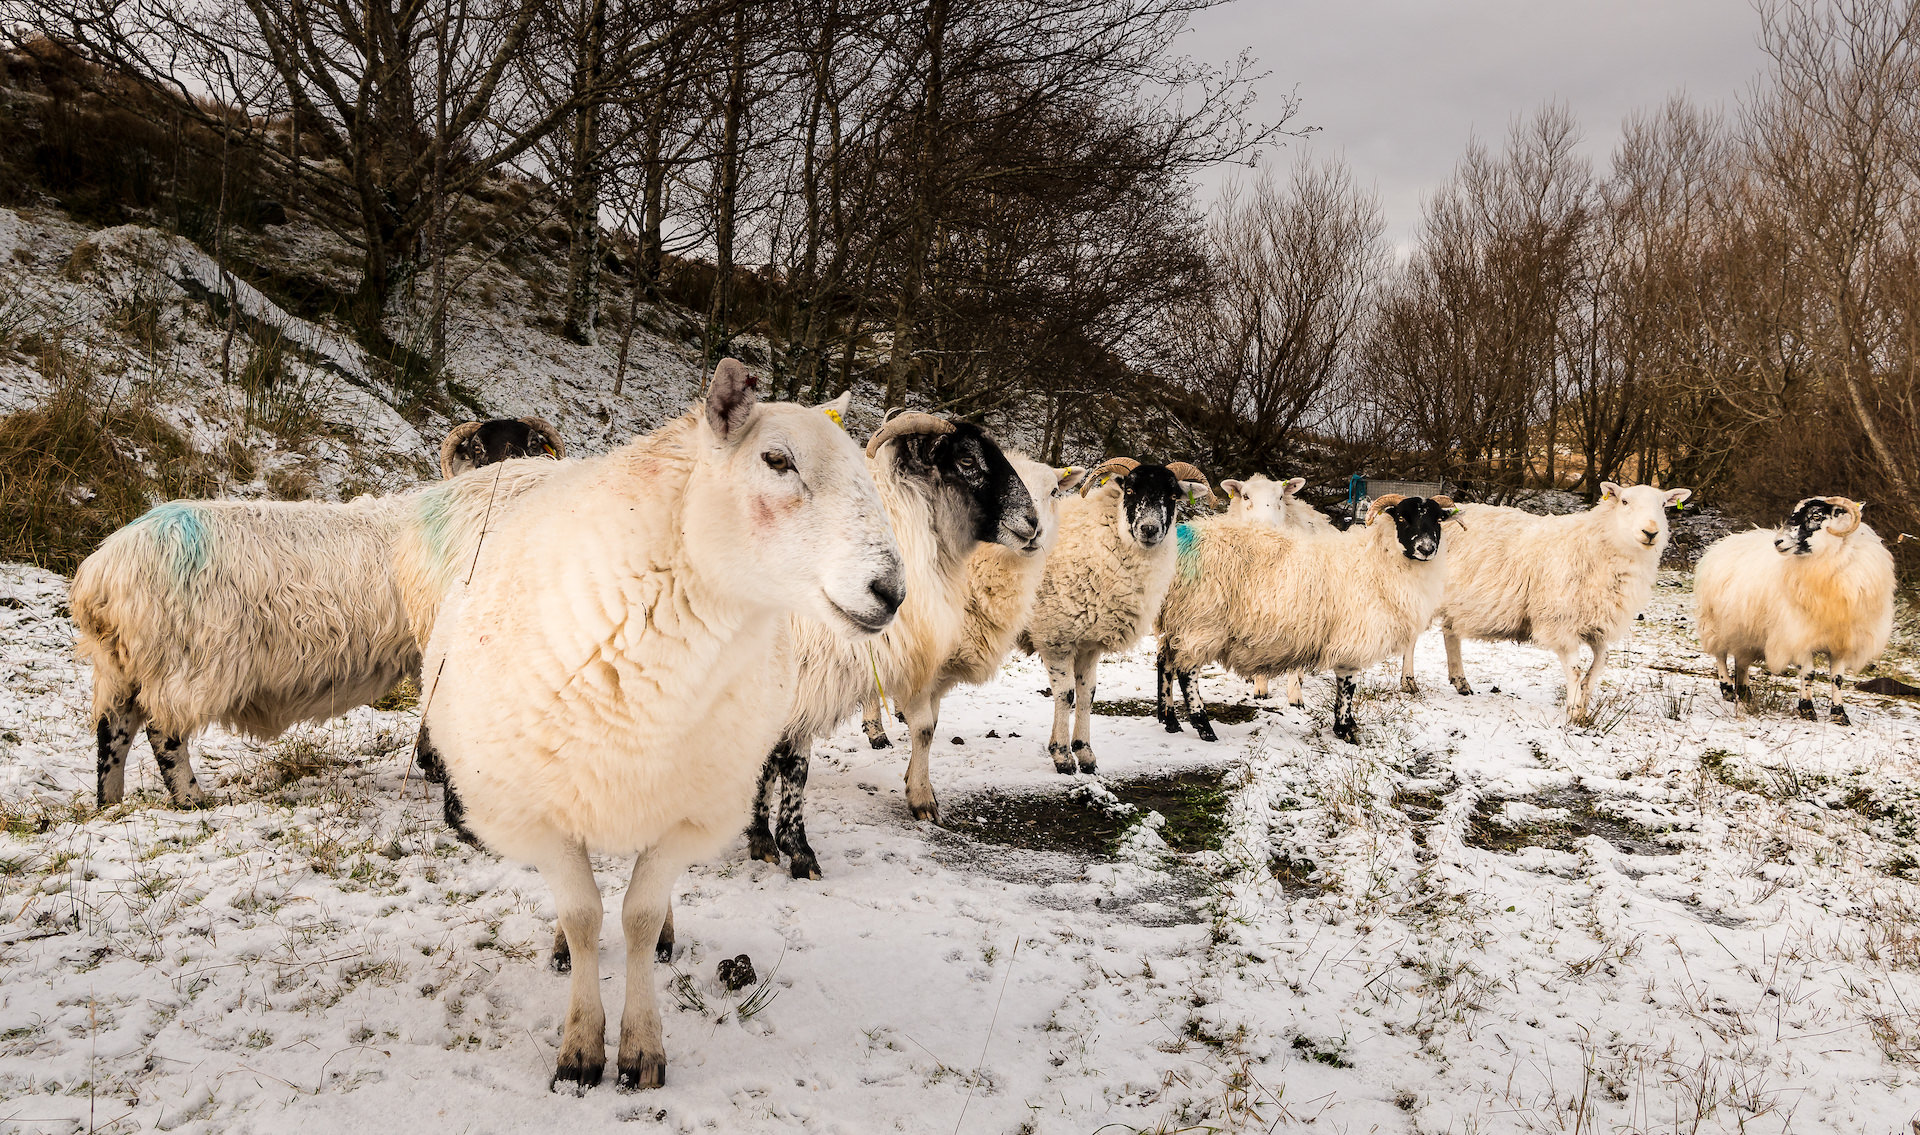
(1263, 501)
(1047, 486)
(1816, 523)
(501, 439)
(976, 490)
(1149, 497)
(1638, 513)
(1416, 523)
(781, 508)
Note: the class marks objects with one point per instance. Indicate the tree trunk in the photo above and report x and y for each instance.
(583, 198)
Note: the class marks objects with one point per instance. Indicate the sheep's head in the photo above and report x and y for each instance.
(781, 509)
(976, 494)
(1638, 513)
(1416, 522)
(470, 445)
(1150, 498)
(1263, 500)
(1816, 523)
(1047, 486)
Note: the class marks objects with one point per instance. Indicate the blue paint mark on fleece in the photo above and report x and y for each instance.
(1189, 552)
(438, 523)
(183, 537)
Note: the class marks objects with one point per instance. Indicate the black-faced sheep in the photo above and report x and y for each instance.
(1261, 600)
(621, 699)
(947, 488)
(1559, 581)
(470, 445)
(1820, 583)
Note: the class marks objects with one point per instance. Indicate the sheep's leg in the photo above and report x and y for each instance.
(760, 843)
(645, 914)
(170, 753)
(1741, 664)
(113, 736)
(1407, 684)
(1720, 671)
(1598, 645)
(1345, 727)
(1260, 687)
(1196, 706)
(1163, 688)
(1060, 677)
(1570, 671)
(923, 717)
(583, 1043)
(873, 721)
(1838, 714)
(792, 836)
(1296, 697)
(1804, 707)
(1456, 670)
(1085, 669)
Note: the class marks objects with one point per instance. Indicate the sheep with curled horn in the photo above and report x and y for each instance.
(470, 445)
(1103, 585)
(1822, 582)
(947, 489)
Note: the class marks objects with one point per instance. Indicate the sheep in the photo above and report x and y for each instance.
(1559, 581)
(261, 614)
(1821, 583)
(470, 445)
(1000, 587)
(1263, 600)
(1103, 585)
(1276, 504)
(621, 699)
(947, 488)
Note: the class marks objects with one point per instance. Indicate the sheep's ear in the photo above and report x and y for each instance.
(837, 408)
(1677, 497)
(730, 399)
(1070, 479)
(1195, 490)
(1609, 490)
(1293, 486)
(1234, 488)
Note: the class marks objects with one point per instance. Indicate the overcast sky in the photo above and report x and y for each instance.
(1399, 86)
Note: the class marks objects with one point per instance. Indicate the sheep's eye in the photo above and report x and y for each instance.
(777, 461)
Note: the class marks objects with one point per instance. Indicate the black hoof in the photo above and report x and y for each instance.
(1804, 707)
(928, 812)
(1173, 723)
(1839, 715)
(1203, 727)
(1063, 762)
(1348, 733)
(644, 1073)
(577, 1075)
(1463, 686)
(760, 846)
(1408, 685)
(879, 741)
(1727, 692)
(805, 866)
(1083, 756)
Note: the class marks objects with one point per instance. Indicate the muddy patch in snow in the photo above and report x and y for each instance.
(1558, 819)
(1087, 825)
(1224, 713)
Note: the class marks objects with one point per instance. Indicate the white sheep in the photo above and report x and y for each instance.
(260, 614)
(1000, 587)
(1821, 583)
(947, 488)
(1103, 585)
(1260, 600)
(1559, 581)
(1276, 504)
(621, 698)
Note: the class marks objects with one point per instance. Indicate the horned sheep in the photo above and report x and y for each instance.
(257, 615)
(470, 445)
(1821, 583)
(1261, 600)
(947, 488)
(621, 699)
(1559, 581)
(1103, 585)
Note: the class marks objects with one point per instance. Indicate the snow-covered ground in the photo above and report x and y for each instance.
(1715, 932)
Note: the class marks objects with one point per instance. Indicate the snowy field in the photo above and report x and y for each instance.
(1687, 917)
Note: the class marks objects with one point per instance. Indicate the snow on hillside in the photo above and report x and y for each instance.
(1685, 918)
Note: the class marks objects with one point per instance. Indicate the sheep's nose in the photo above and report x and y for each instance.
(890, 590)
(1651, 534)
(1024, 528)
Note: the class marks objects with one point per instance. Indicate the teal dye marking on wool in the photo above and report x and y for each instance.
(1189, 552)
(182, 532)
(437, 523)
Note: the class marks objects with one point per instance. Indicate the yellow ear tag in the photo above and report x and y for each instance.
(834, 416)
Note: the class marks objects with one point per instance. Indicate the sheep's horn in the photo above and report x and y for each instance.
(1382, 504)
(548, 434)
(455, 436)
(1186, 472)
(1851, 508)
(910, 422)
(1111, 467)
